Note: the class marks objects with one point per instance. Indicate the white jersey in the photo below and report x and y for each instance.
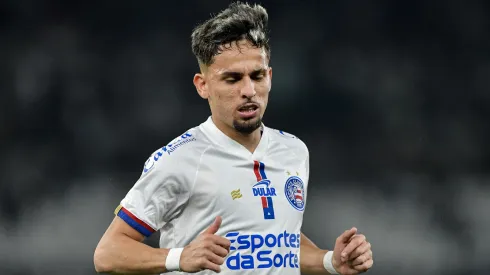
(203, 174)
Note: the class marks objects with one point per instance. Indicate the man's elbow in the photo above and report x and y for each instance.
(102, 263)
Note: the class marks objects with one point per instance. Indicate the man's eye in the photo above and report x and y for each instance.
(231, 80)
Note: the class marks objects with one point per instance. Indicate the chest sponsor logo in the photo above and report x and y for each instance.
(263, 190)
(250, 251)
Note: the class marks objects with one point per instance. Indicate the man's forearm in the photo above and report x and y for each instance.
(311, 257)
(128, 256)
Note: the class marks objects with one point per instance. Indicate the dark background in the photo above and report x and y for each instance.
(392, 98)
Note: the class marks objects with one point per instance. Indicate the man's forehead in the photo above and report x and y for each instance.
(241, 62)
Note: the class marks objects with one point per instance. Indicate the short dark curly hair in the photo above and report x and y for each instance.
(239, 21)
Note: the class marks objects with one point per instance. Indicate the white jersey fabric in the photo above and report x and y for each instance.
(203, 174)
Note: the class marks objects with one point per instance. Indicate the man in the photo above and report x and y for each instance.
(228, 195)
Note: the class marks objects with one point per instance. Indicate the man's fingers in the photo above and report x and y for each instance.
(345, 237)
(215, 259)
(213, 228)
(361, 249)
(351, 246)
(219, 250)
(211, 266)
(364, 266)
(362, 258)
(350, 271)
(221, 241)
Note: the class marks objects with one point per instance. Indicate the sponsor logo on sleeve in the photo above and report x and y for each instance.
(168, 149)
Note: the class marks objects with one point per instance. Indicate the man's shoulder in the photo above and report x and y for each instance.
(182, 152)
(288, 140)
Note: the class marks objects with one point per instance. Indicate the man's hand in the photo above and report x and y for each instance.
(207, 251)
(352, 253)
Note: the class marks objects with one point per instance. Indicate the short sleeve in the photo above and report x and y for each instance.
(158, 196)
(307, 165)
(307, 169)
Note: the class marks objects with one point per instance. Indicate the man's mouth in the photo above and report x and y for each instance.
(248, 110)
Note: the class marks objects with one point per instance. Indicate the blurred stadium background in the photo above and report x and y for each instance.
(392, 98)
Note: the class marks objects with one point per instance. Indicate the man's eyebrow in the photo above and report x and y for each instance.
(239, 74)
(231, 74)
(258, 71)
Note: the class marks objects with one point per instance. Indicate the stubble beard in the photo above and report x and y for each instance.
(247, 126)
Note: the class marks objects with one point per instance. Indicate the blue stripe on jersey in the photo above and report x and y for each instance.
(134, 224)
(262, 170)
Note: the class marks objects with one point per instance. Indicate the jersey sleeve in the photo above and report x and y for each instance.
(307, 169)
(158, 196)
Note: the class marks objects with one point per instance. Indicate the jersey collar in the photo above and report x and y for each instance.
(222, 140)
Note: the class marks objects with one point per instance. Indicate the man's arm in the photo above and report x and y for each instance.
(120, 251)
(311, 257)
(351, 255)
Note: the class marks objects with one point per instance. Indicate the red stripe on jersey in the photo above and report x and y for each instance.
(142, 223)
(256, 171)
(264, 202)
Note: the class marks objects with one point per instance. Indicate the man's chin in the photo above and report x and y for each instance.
(247, 126)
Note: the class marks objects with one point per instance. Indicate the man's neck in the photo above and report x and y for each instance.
(249, 141)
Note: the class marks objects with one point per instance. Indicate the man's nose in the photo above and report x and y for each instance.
(248, 89)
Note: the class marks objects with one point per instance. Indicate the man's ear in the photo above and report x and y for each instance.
(269, 74)
(201, 85)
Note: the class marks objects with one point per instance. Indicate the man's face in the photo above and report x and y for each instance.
(238, 85)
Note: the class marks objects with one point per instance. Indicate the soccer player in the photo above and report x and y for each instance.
(229, 194)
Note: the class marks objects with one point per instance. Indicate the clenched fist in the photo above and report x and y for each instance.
(207, 251)
(352, 253)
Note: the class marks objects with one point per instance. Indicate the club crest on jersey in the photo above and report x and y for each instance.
(263, 190)
(294, 190)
